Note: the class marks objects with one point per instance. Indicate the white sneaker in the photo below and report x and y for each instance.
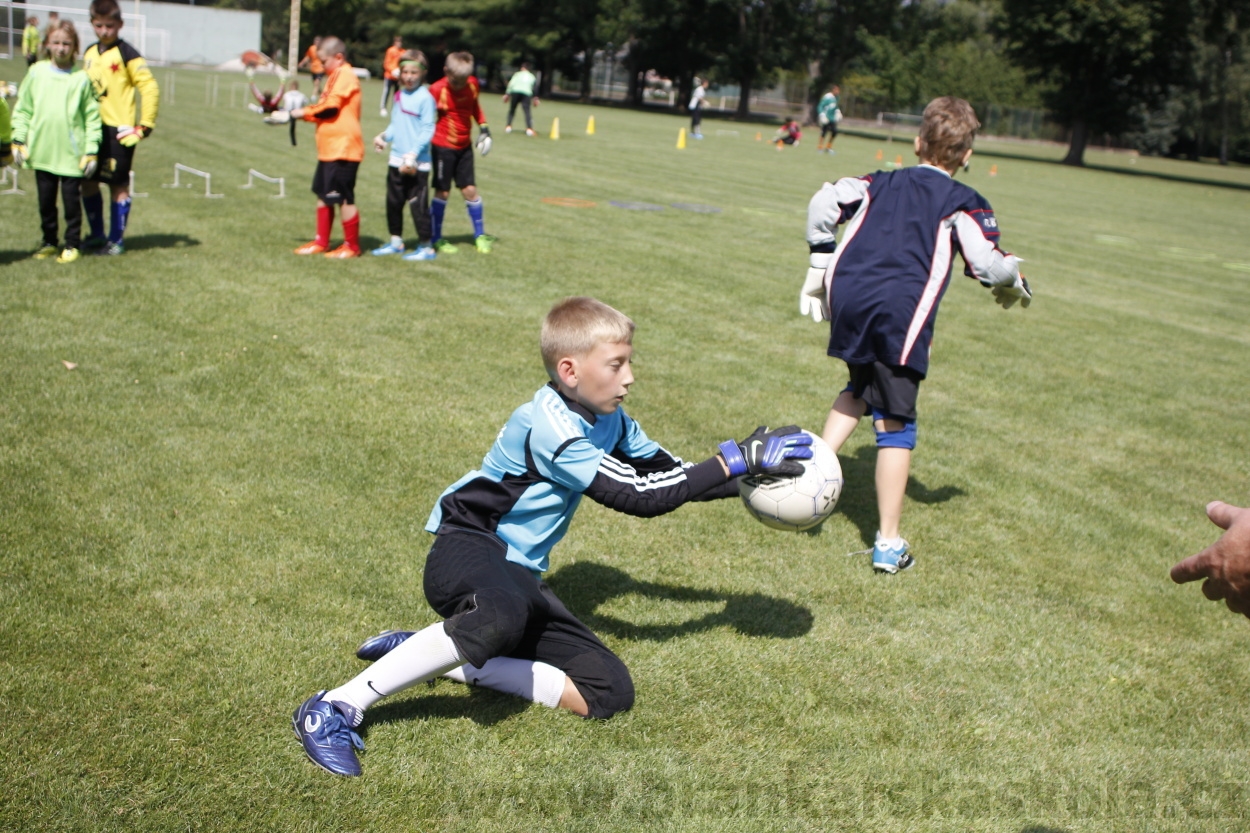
(507, 129)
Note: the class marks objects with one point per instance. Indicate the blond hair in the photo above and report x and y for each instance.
(414, 56)
(66, 26)
(946, 131)
(577, 325)
(458, 65)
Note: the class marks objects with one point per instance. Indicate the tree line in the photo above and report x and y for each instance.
(1168, 77)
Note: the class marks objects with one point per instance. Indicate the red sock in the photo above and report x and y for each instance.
(325, 219)
(351, 232)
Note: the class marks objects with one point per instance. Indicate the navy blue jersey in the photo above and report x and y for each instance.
(892, 267)
(551, 452)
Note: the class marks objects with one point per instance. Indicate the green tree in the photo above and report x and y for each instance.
(1101, 59)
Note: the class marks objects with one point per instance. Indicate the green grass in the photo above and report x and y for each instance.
(200, 522)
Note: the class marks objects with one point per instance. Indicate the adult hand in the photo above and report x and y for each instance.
(1225, 564)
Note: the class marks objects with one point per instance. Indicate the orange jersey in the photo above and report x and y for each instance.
(337, 115)
(457, 110)
(390, 62)
(314, 61)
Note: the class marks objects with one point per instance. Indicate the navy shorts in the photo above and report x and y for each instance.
(887, 388)
(334, 183)
(452, 164)
(494, 607)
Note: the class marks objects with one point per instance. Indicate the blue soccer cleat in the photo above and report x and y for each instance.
(422, 253)
(388, 249)
(376, 647)
(327, 735)
(891, 559)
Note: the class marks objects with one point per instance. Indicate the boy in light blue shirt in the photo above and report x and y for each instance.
(408, 179)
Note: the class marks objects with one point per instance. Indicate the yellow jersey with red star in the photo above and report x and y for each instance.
(116, 72)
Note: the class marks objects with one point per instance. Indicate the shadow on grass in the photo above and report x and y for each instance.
(859, 506)
(13, 256)
(139, 242)
(1045, 830)
(483, 706)
(585, 587)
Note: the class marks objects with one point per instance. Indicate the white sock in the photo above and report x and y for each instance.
(535, 681)
(420, 657)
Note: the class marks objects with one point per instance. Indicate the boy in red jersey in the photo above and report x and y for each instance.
(340, 149)
(457, 101)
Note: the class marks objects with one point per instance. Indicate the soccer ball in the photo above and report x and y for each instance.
(796, 503)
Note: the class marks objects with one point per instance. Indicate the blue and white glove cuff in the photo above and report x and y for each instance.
(733, 458)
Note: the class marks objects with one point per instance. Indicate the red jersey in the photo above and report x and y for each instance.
(457, 110)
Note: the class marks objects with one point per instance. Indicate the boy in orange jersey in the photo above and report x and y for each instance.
(340, 149)
(312, 61)
(457, 101)
(390, 71)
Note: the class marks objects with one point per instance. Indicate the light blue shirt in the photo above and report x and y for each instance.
(412, 126)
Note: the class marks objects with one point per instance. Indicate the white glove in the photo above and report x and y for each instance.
(20, 154)
(278, 117)
(1006, 296)
(484, 141)
(812, 299)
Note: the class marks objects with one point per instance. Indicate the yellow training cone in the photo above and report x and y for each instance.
(681, 139)
(590, 126)
(555, 128)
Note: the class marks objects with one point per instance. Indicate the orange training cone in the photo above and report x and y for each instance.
(993, 170)
(880, 154)
(759, 136)
(898, 161)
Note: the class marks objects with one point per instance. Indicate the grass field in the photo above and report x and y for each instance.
(201, 520)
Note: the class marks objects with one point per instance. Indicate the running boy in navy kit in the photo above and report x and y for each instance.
(496, 526)
(880, 290)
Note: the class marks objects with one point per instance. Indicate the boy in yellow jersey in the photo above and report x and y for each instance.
(340, 149)
(116, 70)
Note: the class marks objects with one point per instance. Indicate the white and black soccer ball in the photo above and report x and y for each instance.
(800, 502)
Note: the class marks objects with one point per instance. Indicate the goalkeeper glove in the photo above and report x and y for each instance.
(88, 165)
(131, 136)
(768, 452)
(812, 299)
(278, 117)
(1006, 296)
(20, 153)
(483, 140)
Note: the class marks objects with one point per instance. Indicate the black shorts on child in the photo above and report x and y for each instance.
(334, 182)
(452, 163)
(887, 388)
(494, 607)
(115, 159)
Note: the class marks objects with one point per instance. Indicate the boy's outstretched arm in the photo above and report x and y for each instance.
(1000, 272)
(834, 204)
(658, 484)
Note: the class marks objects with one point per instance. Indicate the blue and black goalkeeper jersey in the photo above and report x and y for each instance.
(551, 452)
